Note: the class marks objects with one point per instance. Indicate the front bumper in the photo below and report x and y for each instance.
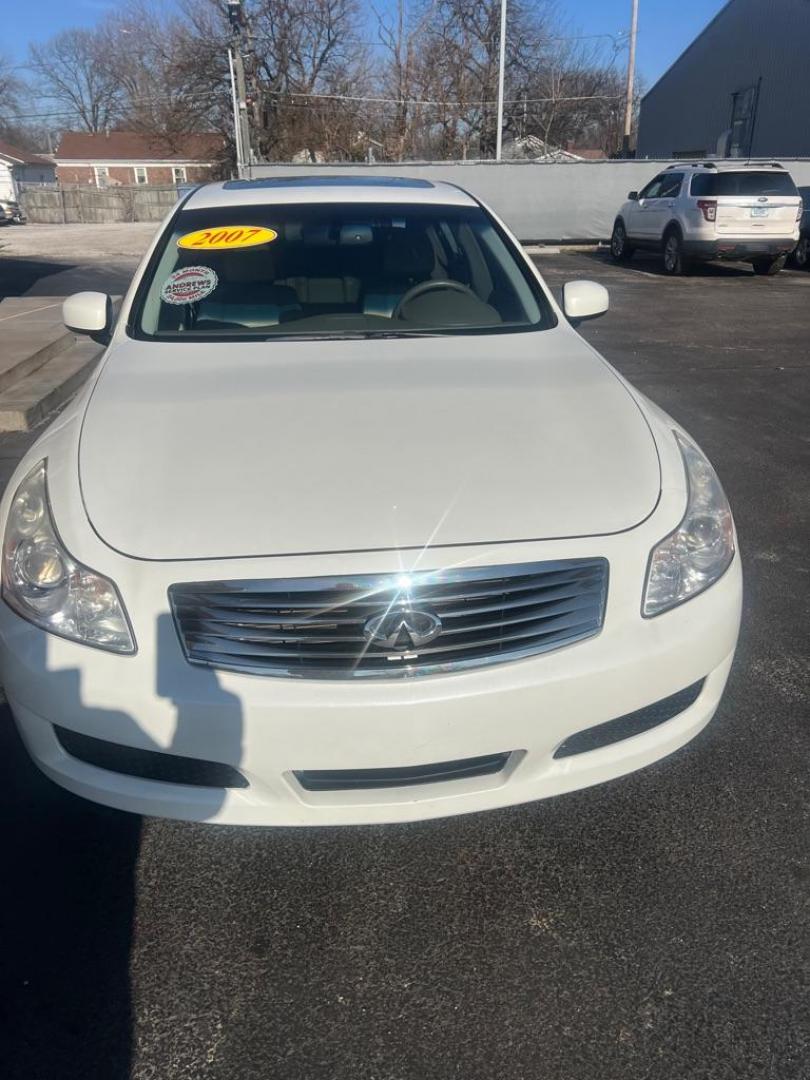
(740, 248)
(269, 729)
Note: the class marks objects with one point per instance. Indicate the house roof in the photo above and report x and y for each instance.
(137, 146)
(17, 155)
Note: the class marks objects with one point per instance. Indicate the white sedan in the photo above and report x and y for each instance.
(351, 525)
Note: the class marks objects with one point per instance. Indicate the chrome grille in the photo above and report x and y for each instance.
(331, 627)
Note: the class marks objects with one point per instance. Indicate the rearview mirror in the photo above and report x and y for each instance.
(584, 300)
(89, 313)
(632, 196)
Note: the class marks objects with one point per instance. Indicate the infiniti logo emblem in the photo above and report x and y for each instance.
(402, 630)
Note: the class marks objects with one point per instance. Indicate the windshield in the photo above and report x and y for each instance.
(336, 270)
(764, 182)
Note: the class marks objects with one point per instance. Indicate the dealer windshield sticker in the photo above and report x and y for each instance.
(237, 236)
(188, 285)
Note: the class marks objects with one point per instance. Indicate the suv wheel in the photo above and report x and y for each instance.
(674, 261)
(769, 267)
(619, 247)
(801, 256)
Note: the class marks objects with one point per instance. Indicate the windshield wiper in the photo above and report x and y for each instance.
(406, 333)
(326, 335)
(358, 335)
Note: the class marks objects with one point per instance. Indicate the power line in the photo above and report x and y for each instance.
(619, 37)
(76, 111)
(358, 99)
(443, 102)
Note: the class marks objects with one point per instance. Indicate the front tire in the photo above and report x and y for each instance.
(768, 267)
(620, 249)
(675, 262)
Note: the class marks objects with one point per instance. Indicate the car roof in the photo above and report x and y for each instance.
(328, 189)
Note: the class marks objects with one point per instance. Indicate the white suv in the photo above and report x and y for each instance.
(712, 210)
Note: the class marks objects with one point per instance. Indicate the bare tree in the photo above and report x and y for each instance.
(314, 90)
(72, 70)
(466, 39)
(406, 76)
(208, 36)
(22, 133)
(572, 86)
(171, 82)
(11, 88)
(305, 61)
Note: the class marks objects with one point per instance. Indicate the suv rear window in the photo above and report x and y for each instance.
(762, 182)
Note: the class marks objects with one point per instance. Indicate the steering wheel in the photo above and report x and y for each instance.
(428, 286)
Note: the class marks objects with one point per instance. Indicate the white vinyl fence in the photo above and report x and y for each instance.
(541, 201)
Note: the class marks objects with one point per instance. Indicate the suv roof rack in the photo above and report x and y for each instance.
(727, 163)
(693, 165)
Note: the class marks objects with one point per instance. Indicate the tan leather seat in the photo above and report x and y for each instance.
(324, 290)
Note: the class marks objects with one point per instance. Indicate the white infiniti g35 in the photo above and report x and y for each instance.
(351, 525)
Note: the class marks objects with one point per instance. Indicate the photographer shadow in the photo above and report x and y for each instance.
(69, 875)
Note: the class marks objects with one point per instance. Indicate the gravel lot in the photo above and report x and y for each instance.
(654, 927)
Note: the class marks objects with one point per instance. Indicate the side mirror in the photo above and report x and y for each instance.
(632, 196)
(584, 300)
(89, 313)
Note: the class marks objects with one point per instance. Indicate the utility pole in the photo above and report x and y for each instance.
(631, 77)
(236, 18)
(237, 134)
(501, 65)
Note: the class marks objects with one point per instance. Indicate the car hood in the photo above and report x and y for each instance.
(218, 450)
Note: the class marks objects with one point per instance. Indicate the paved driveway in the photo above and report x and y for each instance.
(654, 927)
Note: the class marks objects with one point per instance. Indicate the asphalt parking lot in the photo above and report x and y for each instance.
(653, 927)
(56, 260)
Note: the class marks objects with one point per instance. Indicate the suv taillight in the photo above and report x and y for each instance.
(709, 208)
(799, 211)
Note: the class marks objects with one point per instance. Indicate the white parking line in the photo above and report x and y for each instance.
(29, 311)
(645, 273)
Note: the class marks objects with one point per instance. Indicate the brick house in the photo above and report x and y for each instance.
(112, 158)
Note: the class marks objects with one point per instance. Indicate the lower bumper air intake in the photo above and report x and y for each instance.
(367, 779)
(148, 764)
(634, 723)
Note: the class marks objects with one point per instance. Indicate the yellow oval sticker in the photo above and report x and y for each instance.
(236, 236)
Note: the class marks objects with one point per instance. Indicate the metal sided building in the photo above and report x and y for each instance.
(741, 89)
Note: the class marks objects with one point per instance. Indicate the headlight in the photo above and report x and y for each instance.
(50, 589)
(700, 550)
